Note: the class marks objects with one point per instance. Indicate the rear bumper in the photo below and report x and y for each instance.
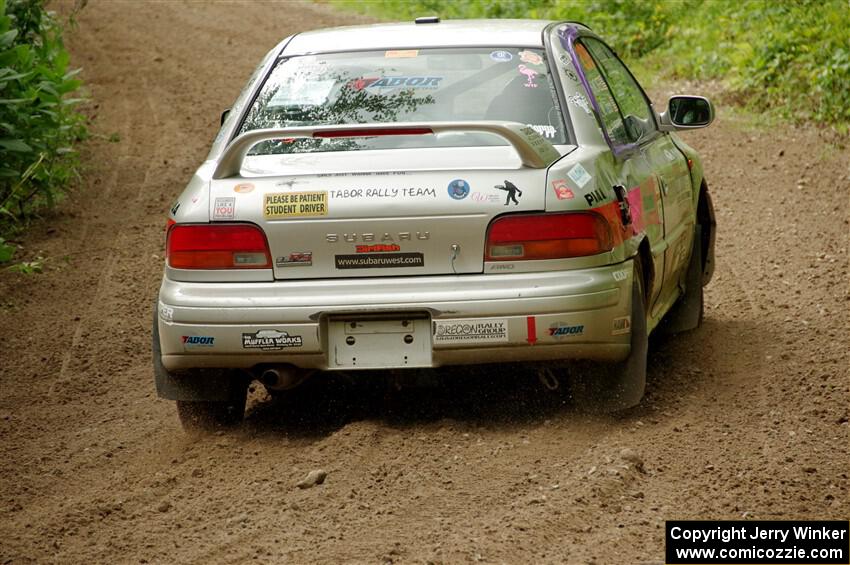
(552, 315)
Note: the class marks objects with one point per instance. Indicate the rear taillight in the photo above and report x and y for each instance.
(222, 246)
(547, 236)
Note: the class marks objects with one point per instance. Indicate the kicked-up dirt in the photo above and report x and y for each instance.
(745, 417)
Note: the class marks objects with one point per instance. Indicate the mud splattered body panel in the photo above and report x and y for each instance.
(421, 184)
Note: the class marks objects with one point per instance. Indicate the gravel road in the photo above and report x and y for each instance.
(745, 417)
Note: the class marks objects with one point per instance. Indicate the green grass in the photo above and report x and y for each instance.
(791, 58)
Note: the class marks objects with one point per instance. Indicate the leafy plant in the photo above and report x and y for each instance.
(38, 122)
(7, 251)
(28, 267)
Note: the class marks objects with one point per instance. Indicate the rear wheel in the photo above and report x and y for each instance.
(612, 387)
(206, 398)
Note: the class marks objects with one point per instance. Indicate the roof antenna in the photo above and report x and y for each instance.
(427, 20)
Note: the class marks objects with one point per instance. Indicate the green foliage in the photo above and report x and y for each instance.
(38, 123)
(635, 27)
(7, 250)
(28, 267)
(792, 56)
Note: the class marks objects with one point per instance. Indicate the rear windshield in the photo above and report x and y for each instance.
(508, 84)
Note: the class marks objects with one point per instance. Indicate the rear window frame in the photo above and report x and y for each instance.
(556, 89)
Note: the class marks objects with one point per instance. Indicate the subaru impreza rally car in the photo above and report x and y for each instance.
(428, 194)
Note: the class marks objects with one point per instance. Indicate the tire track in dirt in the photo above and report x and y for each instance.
(105, 285)
(488, 466)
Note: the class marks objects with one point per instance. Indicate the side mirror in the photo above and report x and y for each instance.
(224, 116)
(686, 112)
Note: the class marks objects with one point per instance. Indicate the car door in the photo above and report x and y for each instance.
(668, 165)
(627, 123)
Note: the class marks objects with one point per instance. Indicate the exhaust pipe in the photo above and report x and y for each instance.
(282, 377)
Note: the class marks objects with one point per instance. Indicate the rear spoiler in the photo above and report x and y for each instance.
(533, 149)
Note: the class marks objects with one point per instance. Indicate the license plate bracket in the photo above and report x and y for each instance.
(362, 343)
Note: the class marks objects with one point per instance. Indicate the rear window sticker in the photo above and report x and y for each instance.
(487, 330)
(546, 131)
(530, 57)
(361, 83)
(501, 56)
(404, 81)
(562, 191)
(579, 175)
(512, 191)
(295, 204)
(243, 188)
(580, 101)
(402, 54)
(530, 74)
(302, 92)
(458, 189)
(295, 259)
(224, 208)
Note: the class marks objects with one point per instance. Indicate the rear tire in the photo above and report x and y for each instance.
(613, 387)
(200, 415)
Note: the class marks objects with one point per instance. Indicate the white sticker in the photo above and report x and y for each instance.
(501, 56)
(579, 175)
(622, 325)
(580, 101)
(546, 131)
(621, 275)
(669, 155)
(224, 208)
(482, 330)
(302, 92)
(166, 313)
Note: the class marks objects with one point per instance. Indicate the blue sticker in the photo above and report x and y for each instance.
(501, 56)
(458, 189)
(197, 341)
(397, 82)
(559, 330)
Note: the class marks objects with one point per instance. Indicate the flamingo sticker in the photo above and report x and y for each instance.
(529, 74)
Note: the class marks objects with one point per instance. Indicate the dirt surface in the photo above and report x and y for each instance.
(745, 417)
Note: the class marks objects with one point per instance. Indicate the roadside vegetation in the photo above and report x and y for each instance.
(790, 56)
(38, 121)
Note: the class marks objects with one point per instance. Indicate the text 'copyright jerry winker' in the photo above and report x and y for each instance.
(758, 542)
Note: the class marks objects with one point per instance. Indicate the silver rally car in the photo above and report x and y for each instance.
(428, 194)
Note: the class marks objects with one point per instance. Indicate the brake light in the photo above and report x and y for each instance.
(372, 132)
(547, 236)
(225, 246)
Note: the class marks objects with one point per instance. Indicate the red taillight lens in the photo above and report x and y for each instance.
(547, 236)
(225, 246)
(372, 132)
